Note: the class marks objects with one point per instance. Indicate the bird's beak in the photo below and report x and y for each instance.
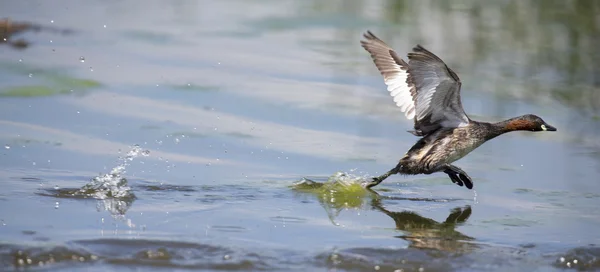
(547, 127)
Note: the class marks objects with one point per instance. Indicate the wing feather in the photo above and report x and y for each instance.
(394, 71)
(424, 89)
(438, 102)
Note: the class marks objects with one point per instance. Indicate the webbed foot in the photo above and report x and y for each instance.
(459, 176)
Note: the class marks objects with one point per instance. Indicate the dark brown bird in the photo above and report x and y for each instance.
(427, 91)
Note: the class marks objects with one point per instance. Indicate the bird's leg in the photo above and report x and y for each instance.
(377, 180)
(458, 176)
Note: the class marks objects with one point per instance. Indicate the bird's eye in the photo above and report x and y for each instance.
(543, 127)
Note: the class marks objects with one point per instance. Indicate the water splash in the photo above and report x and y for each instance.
(113, 184)
(341, 191)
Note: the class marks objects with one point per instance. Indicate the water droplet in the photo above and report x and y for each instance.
(377, 267)
(177, 140)
(226, 257)
(56, 205)
(33, 163)
(208, 164)
(421, 269)
(20, 60)
(82, 59)
(7, 146)
(104, 26)
(50, 41)
(575, 261)
(52, 21)
(562, 259)
(30, 75)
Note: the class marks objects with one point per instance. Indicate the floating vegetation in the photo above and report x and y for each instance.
(53, 82)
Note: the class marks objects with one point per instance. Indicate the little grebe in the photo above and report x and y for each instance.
(427, 91)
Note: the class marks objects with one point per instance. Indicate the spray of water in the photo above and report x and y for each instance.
(113, 184)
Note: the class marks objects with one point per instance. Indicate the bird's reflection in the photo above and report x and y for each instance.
(419, 231)
(426, 233)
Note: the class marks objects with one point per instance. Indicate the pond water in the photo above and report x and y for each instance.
(229, 135)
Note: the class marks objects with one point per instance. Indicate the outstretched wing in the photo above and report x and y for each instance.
(425, 89)
(394, 71)
(438, 102)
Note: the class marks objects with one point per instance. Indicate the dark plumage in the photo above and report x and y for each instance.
(427, 91)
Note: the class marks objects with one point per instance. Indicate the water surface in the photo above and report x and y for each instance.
(198, 117)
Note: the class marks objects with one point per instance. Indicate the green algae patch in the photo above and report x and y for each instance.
(80, 86)
(73, 83)
(44, 82)
(27, 91)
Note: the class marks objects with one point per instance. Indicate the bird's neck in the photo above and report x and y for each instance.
(494, 130)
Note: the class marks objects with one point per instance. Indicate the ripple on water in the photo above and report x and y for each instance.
(132, 253)
(228, 228)
(582, 258)
(287, 219)
(512, 222)
(137, 253)
(167, 187)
